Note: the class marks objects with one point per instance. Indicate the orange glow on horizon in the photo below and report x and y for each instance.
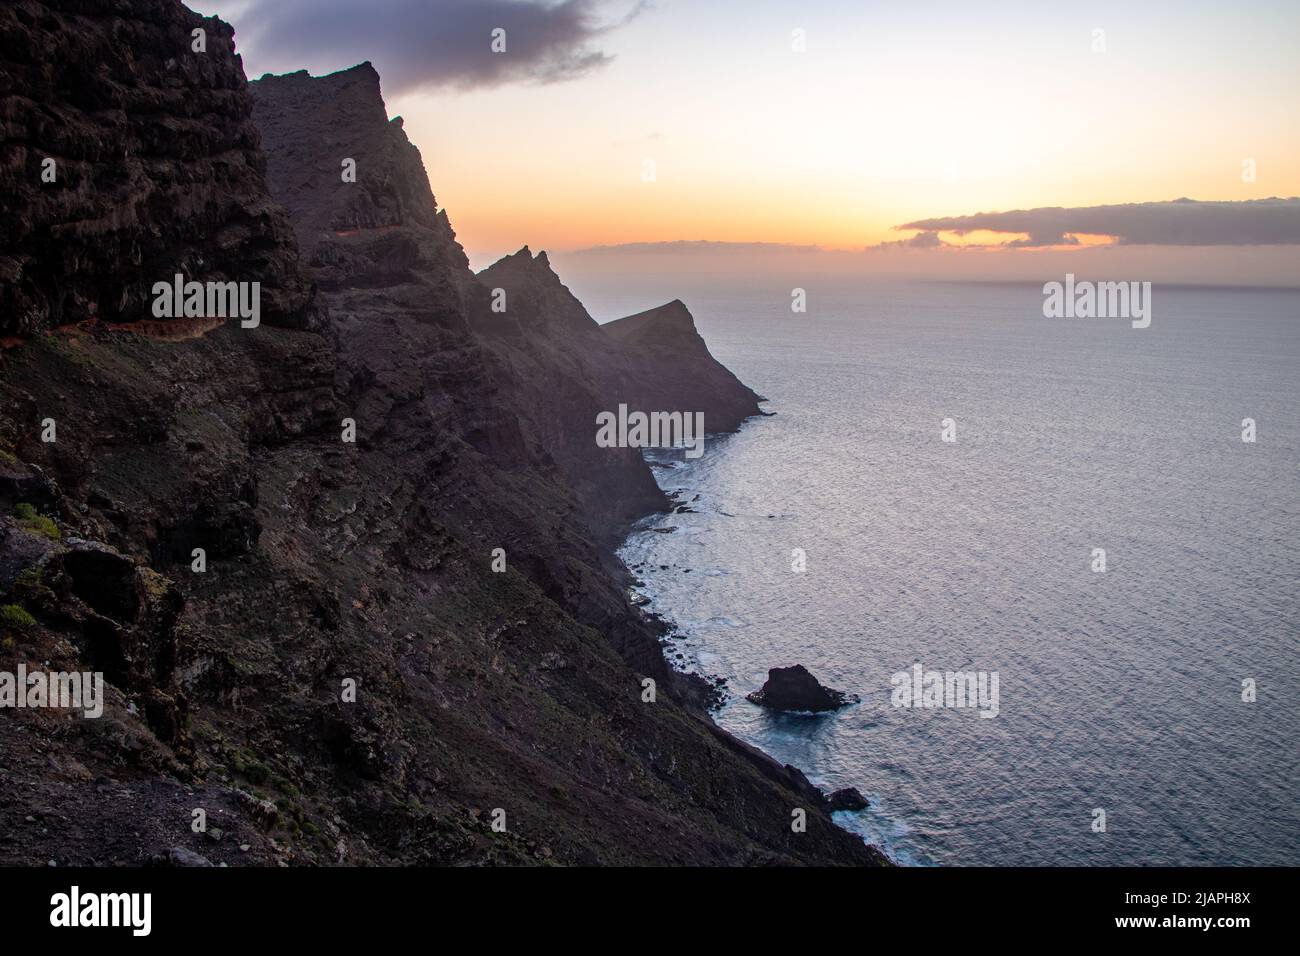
(837, 150)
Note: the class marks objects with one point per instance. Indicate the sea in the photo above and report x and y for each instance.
(1096, 532)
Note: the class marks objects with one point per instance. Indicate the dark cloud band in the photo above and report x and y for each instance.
(1182, 222)
(438, 42)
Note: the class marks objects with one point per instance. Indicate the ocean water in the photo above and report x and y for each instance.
(1119, 691)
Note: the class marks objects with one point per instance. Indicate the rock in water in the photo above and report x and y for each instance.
(793, 688)
(847, 799)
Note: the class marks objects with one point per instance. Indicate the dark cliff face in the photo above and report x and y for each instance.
(537, 305)
(381, 228)
(676, 370)
(563, 370)
(156, 169)
(652, 361)
(327, 561)
(406, 307)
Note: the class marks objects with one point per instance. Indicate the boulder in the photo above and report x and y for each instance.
(180, 856)
(847, 799)
(795, 689)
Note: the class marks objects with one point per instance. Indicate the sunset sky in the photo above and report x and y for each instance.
(890, 116)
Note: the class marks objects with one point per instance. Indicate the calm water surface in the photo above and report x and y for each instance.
(1119, 690)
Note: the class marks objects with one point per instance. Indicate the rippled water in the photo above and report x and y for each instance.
(1119, 690)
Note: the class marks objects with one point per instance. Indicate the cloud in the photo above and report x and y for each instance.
(922, 240)
(1037, 239)
(1182, 222)
(416, 43)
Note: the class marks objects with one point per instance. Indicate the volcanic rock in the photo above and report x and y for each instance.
(156, 167)
(344, 646)
(795, 689)
(847, 799)
(673, 369)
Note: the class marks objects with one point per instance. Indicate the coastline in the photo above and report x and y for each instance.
(683, 657)
(361, 639)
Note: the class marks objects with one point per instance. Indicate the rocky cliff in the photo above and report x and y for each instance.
(675, 369)
(663, 366)
(653, 361)
(126, 157)
(283, 545)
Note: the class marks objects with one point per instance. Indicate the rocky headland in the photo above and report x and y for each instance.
(343, 650)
